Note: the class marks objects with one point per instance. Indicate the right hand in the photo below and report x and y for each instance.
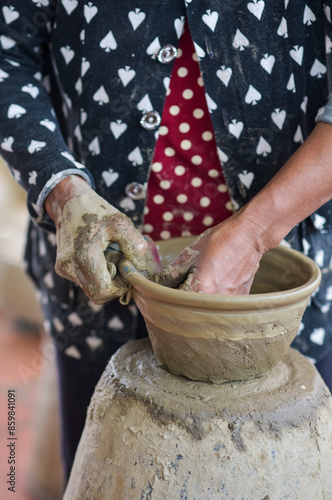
(86, 225)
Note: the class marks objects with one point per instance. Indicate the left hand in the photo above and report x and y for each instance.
(222, 260)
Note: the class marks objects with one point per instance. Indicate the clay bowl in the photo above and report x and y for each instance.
(222, 338)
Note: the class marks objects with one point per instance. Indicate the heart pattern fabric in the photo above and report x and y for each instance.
(264, 68)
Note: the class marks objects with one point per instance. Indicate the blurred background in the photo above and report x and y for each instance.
(26, 363)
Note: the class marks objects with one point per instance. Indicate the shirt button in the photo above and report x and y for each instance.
(135, 191)
(167, 54)
(150, 120)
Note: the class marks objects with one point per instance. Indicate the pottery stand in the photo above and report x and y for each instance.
(153, 435)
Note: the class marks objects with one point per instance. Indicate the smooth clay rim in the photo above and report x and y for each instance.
(154, 291)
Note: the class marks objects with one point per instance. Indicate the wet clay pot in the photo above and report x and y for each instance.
(151, 435)
(223, 338)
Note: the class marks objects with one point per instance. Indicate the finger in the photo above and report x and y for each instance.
(139, 250)
(177, 272)
(95, 278)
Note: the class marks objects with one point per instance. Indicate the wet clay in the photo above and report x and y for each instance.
(223, 338)
(86, 226)
(152, 435)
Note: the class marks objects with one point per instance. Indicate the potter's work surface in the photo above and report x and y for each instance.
(267, 396)
(151, 435)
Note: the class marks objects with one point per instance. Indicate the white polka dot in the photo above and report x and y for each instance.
(182, 72)
(174, 110)
(186, 233)
(195, 57)
(168, 91)
(163, 130)
(158, 199)
(169, 152)
(196, 160)
(213, 173)
(147, 228)
(168, 216)
(165, 184)
(208, 220)
(229, 206)
(182, 198)
(196, 182)
(180, 52)
(188, 216)
(185, 145)
(179, 170)
(204, 201)
(184, 127)
(187, 94)
(146, 210)
(165, 235)
(198, 113)
(200, 81)
(206, 136)
(222, 188)
(156, 167)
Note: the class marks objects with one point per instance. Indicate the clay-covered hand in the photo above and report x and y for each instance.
(86, 225)
(222, 260)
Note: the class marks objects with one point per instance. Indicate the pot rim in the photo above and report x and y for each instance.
(154, 291)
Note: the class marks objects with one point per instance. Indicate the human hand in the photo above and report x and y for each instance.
(86, 225)
(222, 260)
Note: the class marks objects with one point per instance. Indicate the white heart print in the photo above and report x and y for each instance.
(31, 89)
(118, 128)
(136, 18)
(308, 16)
(235, 128)
(3, 75)
(278, 117)
(296, 53)
(256, 7)
(246, 178)
(267, 62)
(318, 69)
(35, 146)
(7, 144)
(224, 74)
(135, 157)
(94, 147)
(126, 74)
(101, 96)
(70, 5)
(90, 11)
(263, 147)
(109, 176)
(15, 111)
(108, 43)
(68, 53)
(240, 41)
(210, 18)
(10, 14)
(252, 96)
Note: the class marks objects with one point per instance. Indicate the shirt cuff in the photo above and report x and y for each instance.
(325, 113)
(43, 219)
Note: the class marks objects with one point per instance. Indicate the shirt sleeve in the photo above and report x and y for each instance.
(31, 142)
(325, 113)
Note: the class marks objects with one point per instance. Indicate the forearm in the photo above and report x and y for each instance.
(300, 187)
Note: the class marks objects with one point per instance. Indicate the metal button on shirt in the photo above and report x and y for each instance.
(167, 54)
(150, 120)
(135, 191)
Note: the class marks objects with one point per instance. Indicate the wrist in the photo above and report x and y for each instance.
(65, 190)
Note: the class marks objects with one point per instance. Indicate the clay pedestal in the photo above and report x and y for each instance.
(152, 435)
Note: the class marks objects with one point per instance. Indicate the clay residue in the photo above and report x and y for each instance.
(284, 398)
